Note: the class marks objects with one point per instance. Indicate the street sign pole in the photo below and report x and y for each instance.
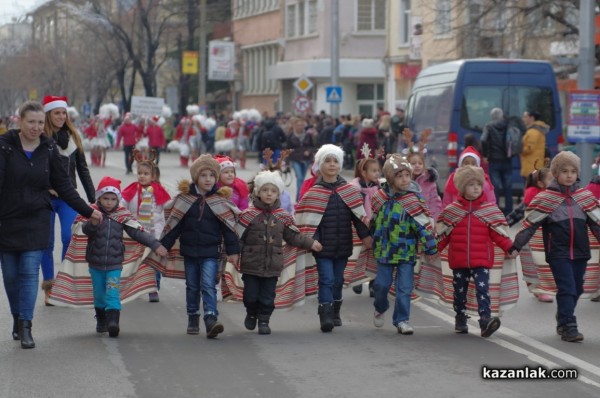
(335, 52)
(585, 77)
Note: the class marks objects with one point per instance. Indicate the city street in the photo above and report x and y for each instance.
(154, 357)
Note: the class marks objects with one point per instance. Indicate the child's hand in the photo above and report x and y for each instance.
(368, 242)
(161, 251)
(233, 259)
(430, 258)
(316, 246)
(514, 254)
(96, 217)
(365, 220)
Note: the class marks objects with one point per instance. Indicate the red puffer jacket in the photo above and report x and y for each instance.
(471, 241)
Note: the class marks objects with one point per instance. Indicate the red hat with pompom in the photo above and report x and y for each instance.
(109, 185)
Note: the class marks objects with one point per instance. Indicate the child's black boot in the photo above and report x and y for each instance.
(569, 332)
(250, 321)
(112, 317)
(193, 324)
(100, 320)
(460, 323)
(263, 324)
(326, 317)
(15, 331)
(213, 326)
(489, 325)
(337, 306)
(25, 334)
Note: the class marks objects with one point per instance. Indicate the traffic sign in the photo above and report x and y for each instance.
(333, 94)
(584, 116)
(303, 84)
(302, 104)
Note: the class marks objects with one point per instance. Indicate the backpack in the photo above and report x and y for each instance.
(514, 141)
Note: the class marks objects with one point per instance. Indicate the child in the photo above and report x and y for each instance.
(564, 211)
(146, 199)
(202, 219)
(263, 227)
(468, 157)
(327, 212)
(401, 222)
(472, 215)
(105, 252)
(366, 179)
(426, 178)
(240, 194)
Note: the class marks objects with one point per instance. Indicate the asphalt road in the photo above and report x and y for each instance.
(154, 357)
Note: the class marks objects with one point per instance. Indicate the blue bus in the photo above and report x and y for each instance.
(455, 98)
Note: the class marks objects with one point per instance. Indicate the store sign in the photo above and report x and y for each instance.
(584, 116)
(221, 60)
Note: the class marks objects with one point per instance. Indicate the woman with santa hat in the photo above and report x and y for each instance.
(58, 126)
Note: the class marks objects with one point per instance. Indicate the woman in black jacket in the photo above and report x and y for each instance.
(29, 167)
(58, 126)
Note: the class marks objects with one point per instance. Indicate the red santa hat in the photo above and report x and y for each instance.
(155, 118)
(472, 152)
(225, 161)
(51, 102)
(109, 185)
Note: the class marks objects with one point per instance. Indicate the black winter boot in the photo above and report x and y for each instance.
(570, 333)
(357, 289)
(326, 317)
(250, 321)
(489, 326)
(15, 331)
(100, 320)
(337, 305)
(112, 317)
(263, 324)
(193, 324)
(213, 326)
(25, 334)
(460, 323)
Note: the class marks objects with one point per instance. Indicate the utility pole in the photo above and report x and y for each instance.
(202, 55)
(585, 76)
(335, 52)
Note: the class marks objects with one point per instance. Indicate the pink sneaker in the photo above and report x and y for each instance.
(545, 298)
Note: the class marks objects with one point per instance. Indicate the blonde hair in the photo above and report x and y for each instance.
(71, 130)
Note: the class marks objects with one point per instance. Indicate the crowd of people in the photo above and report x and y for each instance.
(253, 240)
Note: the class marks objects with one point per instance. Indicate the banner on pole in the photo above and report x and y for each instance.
(220, 60)
(189, 63)
(147, 106)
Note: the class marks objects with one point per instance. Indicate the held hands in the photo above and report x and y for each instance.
(96, 217)
(316, 246)
(233, 259)
(161, 251)
(365, 220)
(514, 254)
(430, 258)
(368, 242)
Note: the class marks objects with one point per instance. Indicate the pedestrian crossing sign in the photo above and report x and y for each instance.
(333, 94)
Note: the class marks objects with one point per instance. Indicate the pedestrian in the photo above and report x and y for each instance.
(426, 178)
(303, 149)
(564, 211)
(228, 178)
(284, 197)
(469, 157)
(327, 212)
(201, 219)
(534, 143)
(59, 127)
(495, 151)
(273, 137)
(263, 228)
(105, 252)
(127, 134)
(29, 167)
(156, 137)
(470, 216)
(402, 223)
(184, 134)
(146, 199)
(368, 136)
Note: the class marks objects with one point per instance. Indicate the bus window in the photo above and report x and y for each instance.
(432, 108)
(477, 103)
(534, 99)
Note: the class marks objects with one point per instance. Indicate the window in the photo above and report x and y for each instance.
(432, 108)
(369, 97)
(443, 19)
(301, 19)
(256, 64)
(370, 15)
(247, 8)
(405, 28)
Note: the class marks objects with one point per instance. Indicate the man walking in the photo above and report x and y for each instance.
(493, 142)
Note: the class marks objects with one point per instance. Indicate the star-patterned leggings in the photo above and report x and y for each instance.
(481, 278)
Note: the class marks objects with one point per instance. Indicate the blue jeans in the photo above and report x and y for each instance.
(201, 278)
(66, 216)
(331, 278)
(21, 275)
(107, 288)
(481, 282)
(403, 286)
(568, 276)
(501, 176)
(300, 169)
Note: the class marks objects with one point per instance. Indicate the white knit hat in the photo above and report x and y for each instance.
(329, 150)
(268, 177)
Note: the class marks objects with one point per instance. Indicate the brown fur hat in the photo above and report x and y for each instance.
(204, 162)
(466, 174)
(394, 164)
(564, 158)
